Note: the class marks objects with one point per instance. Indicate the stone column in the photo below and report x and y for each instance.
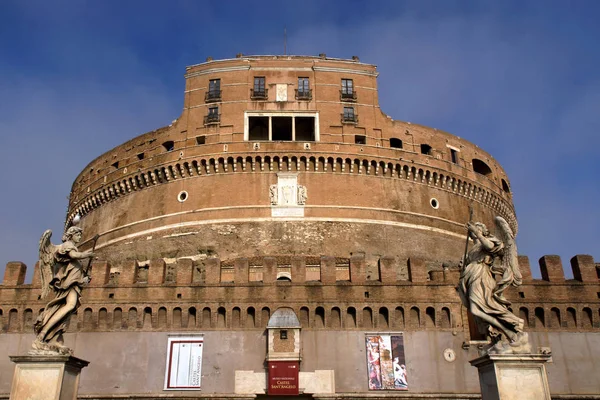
(513, 376)
(46, 377)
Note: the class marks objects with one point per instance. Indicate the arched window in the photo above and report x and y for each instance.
(235, 317)
(250, 317)
(555, 321)
(446, 321)
(571, 318)
(169, 145)
(480, 167)
(206, 318)
(191, 320)
(304, 321)
(320, 317)
(147, 321)
(132, 318)
(177, 322)
(505, 186)
(395, 143)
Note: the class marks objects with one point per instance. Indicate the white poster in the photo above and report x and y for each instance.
(184, 363)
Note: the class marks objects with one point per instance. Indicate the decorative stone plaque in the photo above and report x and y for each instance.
(281, 91)
(287, 197)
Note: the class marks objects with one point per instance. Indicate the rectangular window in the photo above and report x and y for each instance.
(214, 90)
(259, 84)
(281, 128)
(303, 85)
(305, 129)
(454, 156)
(258, 128)
(347, 87)
(212, 116)
(348, 115)
(200, 139)
(360, 139)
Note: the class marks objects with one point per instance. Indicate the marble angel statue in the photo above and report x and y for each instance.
(63, 276)
(489, 268)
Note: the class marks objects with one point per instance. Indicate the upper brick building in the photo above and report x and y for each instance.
(282, 185)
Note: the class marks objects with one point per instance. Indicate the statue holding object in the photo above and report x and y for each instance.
(489, 258)
(63, 274)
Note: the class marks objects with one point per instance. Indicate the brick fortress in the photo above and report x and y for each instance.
(283, 185)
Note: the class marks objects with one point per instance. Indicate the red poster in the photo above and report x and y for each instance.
(283, 378)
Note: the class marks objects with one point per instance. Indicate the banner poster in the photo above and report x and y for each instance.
(386, 363)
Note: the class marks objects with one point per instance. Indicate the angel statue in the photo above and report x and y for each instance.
(490, 267)
(63, 274)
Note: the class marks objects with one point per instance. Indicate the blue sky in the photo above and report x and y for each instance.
(518, 78)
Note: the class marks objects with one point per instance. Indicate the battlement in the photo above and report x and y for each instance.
(297, 269)
(366, 292)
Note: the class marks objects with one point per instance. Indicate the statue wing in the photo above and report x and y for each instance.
(510, 262)
(47, 250)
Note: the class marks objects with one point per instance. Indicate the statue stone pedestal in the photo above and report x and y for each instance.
(46, 377)
(513, 376)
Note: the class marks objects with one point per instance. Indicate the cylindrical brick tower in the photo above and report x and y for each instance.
(287, 155)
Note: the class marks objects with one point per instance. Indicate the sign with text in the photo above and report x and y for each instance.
(283, 378)
(184, 363)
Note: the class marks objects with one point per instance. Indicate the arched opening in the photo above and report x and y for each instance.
(367, 318)
(446, 320)
(235, 317)
(540, 318)
(555, 321)
(117, 318)
(319, 317)
(250, 317)
(265, 315)
(415, 317)
(88, 323)
(481, 167)
(162, 317)
(206, 318)
(169, 145)
(13, 320)
(571, 318)
(192, 318)
(505, 186)
(430, 320)
(221, 317)
(587, 321)
(132, 318)
(177, 322)
(304, 315)
(336, 319)
(399, 317)
(102, 319)
(383, 318)
(395, 143)
(27, 319)
(147, 320)
(524, 315)
(350, 320)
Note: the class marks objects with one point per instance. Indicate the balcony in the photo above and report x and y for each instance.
(349, 118)
(304, 94)
(212, 96)
(262, 94)
(348, 95)
(212, 119)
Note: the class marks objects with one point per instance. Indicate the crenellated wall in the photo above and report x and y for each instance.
(326, 293)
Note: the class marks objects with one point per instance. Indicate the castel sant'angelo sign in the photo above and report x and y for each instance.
(284, 236)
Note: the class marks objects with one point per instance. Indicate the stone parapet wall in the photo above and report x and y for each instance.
(325, 292)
